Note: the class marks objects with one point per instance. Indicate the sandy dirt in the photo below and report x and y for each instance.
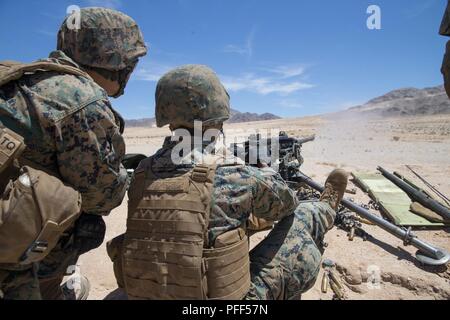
(381, 268)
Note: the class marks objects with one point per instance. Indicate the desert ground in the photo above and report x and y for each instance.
(357, 144)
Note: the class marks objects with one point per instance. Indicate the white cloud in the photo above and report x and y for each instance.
(152, 71)
(282, 80)
(232, 48)
(288, 71)
(112, 4)
(246, 49)
(263, 85)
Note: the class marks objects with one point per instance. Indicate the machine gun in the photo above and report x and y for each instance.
(131, 162)
(257, 150)
(290, 161)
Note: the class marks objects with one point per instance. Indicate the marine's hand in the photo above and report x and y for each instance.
(131, 161)
(89, 232)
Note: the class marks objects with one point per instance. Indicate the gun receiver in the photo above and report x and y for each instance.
(289, 149)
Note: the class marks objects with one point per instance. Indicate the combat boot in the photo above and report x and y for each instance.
(335, 187)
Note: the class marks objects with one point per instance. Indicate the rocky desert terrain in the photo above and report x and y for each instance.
(357, 143)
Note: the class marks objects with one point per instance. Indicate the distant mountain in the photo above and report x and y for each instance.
(236, 117)
(146, 122)
(407, 101)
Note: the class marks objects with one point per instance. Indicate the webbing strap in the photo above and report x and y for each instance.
(225, 281)
(11, 71)
(161, 226)
(238, 290)
(226, 258)
(182, 205)
(204, 174)
(200, 173)
(184, 261)
(39, 247)
(168, 247)
(165, 291)
(232, 259)
(145, 266)
(227, 268)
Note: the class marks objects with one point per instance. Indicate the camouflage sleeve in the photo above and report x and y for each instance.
(90, 149)
(273, 199)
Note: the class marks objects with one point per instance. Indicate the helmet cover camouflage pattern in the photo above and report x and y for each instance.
(445, 69)
(444, 30)
(191, 93)
(107, 39)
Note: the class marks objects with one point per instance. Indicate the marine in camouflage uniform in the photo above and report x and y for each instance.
(287, 262)
(72, 132)
(445, 31)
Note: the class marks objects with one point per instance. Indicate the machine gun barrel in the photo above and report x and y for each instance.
(306, 140)
(427, 253)
(417, 195)
(282, 140)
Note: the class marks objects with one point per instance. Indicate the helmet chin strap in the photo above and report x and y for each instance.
(123, 78)
(119, 76)
(120, 92)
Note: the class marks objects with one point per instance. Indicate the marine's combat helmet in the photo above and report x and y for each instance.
(104, 40)
(191, 93)
(445, 31)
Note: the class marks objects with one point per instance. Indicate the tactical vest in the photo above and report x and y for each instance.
(166, 252)
(35, 208)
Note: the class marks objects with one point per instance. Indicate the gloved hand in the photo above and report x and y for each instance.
(89, 232)
(131, 161)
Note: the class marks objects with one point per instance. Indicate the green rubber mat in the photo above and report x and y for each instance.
(393, 202)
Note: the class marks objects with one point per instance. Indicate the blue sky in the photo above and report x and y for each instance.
(288, 57)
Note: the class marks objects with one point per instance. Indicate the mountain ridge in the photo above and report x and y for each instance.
(236, 117)
(407, 101)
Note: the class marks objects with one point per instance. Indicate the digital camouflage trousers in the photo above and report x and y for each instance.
(286, 263)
